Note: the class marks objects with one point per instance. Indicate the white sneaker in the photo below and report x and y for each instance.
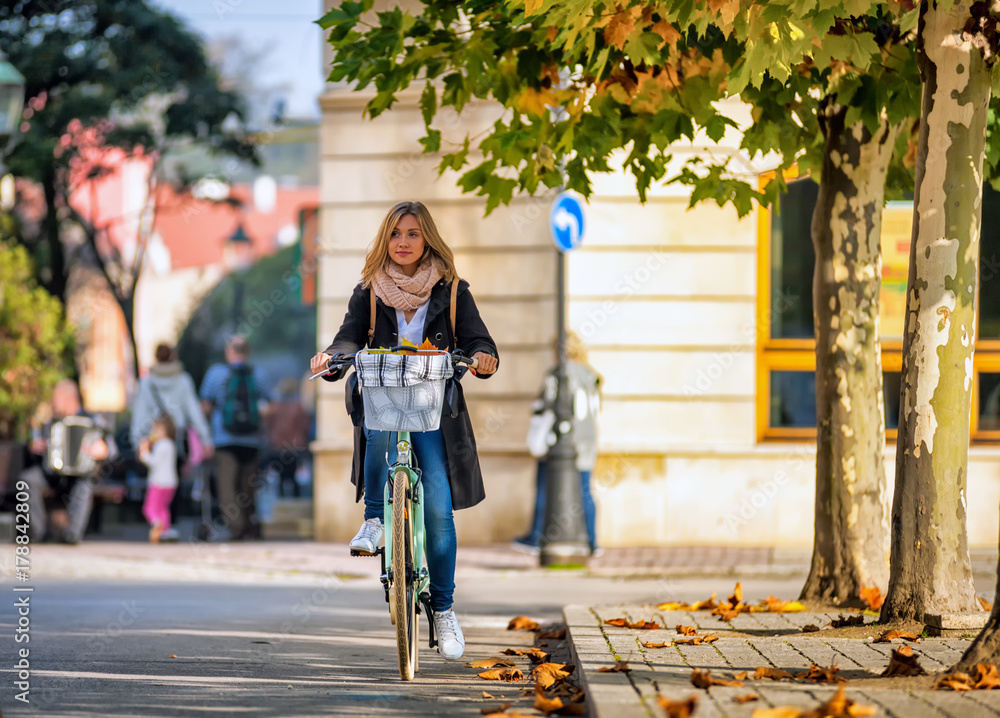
(451, 640)
(369, 537)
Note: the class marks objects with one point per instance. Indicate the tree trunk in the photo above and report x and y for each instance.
(849, 544)
(56, 282)
(127, 305)
(930, 570)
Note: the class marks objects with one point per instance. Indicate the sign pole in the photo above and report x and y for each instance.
(564, 536)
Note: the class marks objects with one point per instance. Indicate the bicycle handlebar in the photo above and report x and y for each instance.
(340, 361)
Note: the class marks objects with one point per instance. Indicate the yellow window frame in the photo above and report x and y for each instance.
(800, 354)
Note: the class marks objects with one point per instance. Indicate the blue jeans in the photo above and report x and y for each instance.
(589, 510)
(439, 521)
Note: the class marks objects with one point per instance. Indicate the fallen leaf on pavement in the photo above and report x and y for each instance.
(954, 682)
(674, 606)
(487, 695)
(502, 674)
(746, 698)
(651, 644)
(557, 634)
(678, 709)
(641, 624)
(774, 605)
(903, 663)
(646, 625)
(839, 706)
(733, 606)
(810, 628)
(775, 674)
(737, 598)
(889, 636)
(490, 662)
(500, 709)
(741, 676)
(705, 605)
(173, 655)
(872, 597)
(522, 623)
(548, 673)
(537, 655)
(779, 712)
(695, 641)
(511, 715)
(984, 677)
(704, 679)
(686, 630)
(619, 667)
(841, 620)
(987, 606)
(556, 705)
(820, 675)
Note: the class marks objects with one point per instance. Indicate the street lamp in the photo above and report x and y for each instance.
(11, 104)
(564, 536)
(237, 256)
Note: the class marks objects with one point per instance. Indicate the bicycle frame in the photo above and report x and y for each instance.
(405, 462)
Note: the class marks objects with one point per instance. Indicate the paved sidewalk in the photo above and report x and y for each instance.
(309, 561)
(748, 642)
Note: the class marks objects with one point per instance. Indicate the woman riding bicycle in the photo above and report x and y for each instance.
(411, 270)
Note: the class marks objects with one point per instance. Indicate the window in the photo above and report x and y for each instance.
(786, 359)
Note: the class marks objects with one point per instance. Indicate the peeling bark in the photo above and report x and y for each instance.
(930, 567)
(849, 544)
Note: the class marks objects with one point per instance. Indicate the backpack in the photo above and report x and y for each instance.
(239, 408)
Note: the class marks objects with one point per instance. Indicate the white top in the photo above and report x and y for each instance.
(162, 463)
(412, 331)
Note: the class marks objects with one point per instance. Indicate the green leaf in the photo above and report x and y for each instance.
(346, 12)
(428, 103)
(432, 142)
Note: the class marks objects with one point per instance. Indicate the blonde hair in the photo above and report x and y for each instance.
(378, 254)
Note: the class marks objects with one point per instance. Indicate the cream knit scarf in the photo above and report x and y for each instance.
(399, 291)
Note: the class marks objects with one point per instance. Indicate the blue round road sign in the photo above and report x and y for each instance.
(566, 221)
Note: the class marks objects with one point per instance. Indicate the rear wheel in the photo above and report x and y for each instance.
(403, 591)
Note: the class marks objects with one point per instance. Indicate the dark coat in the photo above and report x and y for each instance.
(464, 473)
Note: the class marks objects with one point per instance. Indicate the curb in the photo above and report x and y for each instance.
(609, 695)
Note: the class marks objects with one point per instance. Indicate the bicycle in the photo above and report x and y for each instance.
(400, 410)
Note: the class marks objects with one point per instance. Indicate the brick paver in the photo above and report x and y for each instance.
(667, 671)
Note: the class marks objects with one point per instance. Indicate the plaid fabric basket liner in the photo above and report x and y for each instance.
(402, 392)
(397, 370)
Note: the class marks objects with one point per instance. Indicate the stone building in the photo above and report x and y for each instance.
(694, 318)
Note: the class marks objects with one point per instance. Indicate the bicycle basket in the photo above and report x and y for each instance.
(402, 392)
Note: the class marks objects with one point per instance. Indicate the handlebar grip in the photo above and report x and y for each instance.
(474, 364)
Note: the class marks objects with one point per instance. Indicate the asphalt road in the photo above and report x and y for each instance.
(120, 648)
(181, 648)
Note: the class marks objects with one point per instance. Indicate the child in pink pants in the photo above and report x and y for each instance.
(159, 453)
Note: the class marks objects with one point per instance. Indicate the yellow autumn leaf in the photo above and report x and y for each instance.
(532, 6)
(535, 102)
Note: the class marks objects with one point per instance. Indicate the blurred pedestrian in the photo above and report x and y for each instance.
(67, 459)
(159, 453)
(169, 390)
(233, 396)
(585, 390)
(287, 431)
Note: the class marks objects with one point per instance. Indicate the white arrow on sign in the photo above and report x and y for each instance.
(566, 220)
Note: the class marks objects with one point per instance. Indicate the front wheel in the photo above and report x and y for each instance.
(403, 591)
